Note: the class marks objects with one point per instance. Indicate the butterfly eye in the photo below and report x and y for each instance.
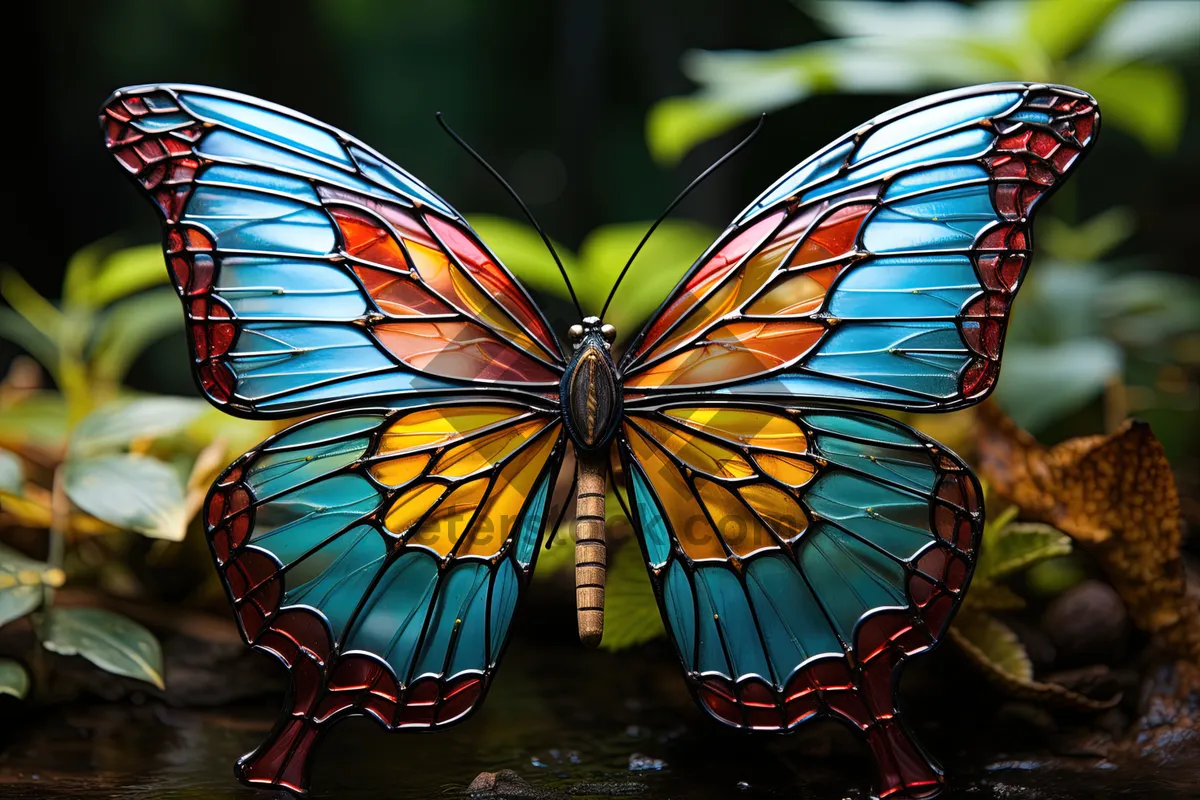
(608, 332)
(575, 333)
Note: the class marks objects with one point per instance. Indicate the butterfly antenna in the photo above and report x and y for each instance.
(679, 199)
(513, 193)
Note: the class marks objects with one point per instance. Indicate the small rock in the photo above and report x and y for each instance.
(1088, 624)
(504, 784)
(641, 763)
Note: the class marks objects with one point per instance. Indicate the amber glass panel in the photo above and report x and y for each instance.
(485, 451)
(408, 508)
(699, 454)
(442, 529)
(399, 471)
(461, 350)
(748, 426)
(443, 425)
(733, 351)
(742, 531)
(688, 521)
(777, 508)
(797, 293)
(794, 472)
(497, 519)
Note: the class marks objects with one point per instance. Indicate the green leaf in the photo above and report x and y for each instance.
(128, 327)
(21, 332)
(39, 420)
(1040, 385)
(1054, 576)
(1091, 240)
(14, 680)
(21, 581)
(631, 615)
(677, 124)
(112, 642)
(985, 596)
(12, 474)
(1153, 29)
(82, 267)
(125, 272)
(1061, 27)
(560, 556)
(667, 255)
(1018, 546)
(520, 248)
(991, 642)
(116, 424)
(1146, 100)
(130, 491)
(25, 300)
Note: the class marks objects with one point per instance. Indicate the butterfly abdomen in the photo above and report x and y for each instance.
(591, 407)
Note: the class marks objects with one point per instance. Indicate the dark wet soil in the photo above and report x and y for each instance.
(569, 724)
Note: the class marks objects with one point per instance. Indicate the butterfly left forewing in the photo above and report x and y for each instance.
(313, 271)
(799, 556)
(380, 554)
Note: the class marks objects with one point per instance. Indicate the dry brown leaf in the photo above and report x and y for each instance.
(1115, 496)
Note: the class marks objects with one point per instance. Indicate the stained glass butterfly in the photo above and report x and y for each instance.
(801, 549)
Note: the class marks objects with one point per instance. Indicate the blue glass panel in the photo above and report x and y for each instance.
(530, 528)
(860, 426)
(314, 512)
(222, 144)
(895, 521)
(158, 102)
(792, 624)
(729, 638)
(391, 621)
(849, 577)
(249, 220)
(817, 168)
(323, 430)
(160, 123)
(940, 117)
(905, 287)
(924, 179)
(505, 591)
(334, 578)
(945, 220)
(805, 385)
(390, 176)
(454, 639)
(921, 357)
(277, 357)
(961, 145)
(1029, 115)
(680, 604)
(281, 470)
(285, 130)
(282, 287)
(653, 528)
(253, 178)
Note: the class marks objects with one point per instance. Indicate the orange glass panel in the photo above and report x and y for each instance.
(365, 237)
(797, 293)
(443, 425)
(399, 471)
(409, 507)
(498, 518)
(836, 235)
(737, 290)
(448, 280)
(461, 350)
(700, 454)
(398, 294)
(733, 351)
(748, 426)
(709, 276)
(777, 508)
(742, 531)
(691, 526)
(485, 451)
(442, 529)
(794, 472)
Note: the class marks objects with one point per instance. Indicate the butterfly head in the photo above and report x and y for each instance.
(592, 331)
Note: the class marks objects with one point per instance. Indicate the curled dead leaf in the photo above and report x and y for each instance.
(1115, 496)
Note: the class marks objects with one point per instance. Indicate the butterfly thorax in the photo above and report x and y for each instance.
(590, 390)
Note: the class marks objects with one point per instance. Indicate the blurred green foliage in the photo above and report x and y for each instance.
(1119, 51)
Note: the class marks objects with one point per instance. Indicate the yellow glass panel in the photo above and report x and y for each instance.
(409, 507)
(754, 427)
(700, 454)
(498, 519)
(442, 425)
(777, 508)
(442, 529)
(796, 294)
(785, 469)
(691, 527)
(486, 451)
(742, 531)
(732, 351)
(399, 471)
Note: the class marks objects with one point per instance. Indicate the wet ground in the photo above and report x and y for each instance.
(568, 723)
